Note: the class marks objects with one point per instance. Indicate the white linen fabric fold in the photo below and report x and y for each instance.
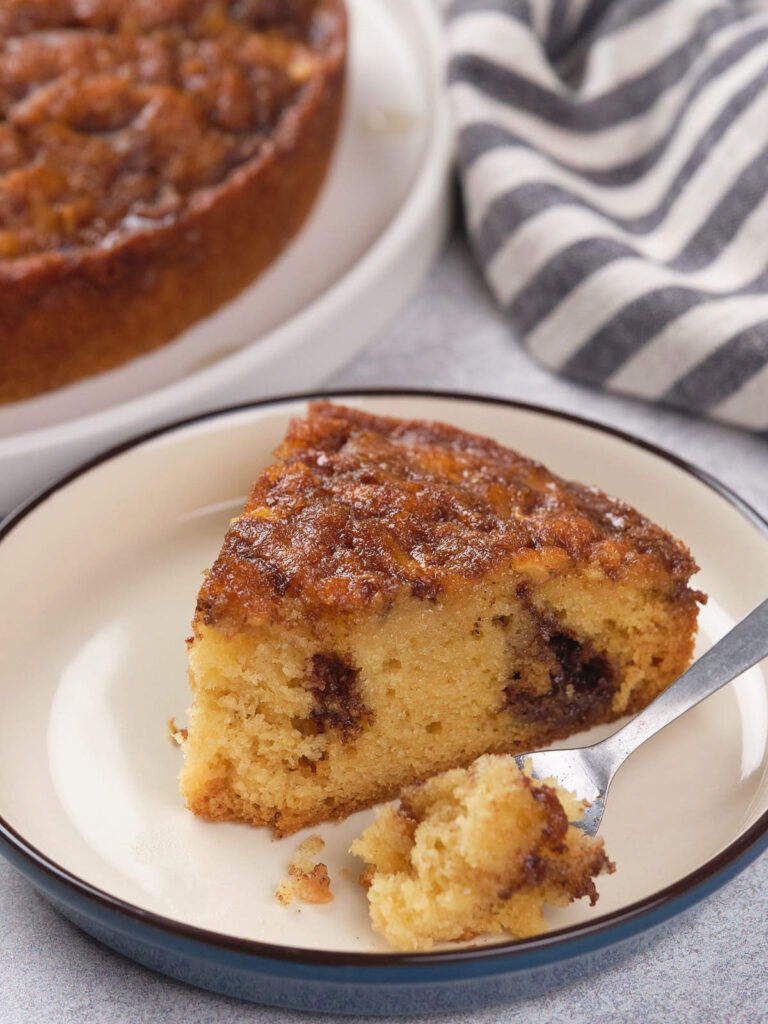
(614, 162)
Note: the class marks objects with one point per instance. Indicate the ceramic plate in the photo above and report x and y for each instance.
(99, 580)
(374, 232)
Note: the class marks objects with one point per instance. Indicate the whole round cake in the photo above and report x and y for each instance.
(155, 157)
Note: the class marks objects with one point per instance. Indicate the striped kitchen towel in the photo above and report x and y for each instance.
(614, 161)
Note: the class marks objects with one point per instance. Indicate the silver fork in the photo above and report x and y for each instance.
(588, 771)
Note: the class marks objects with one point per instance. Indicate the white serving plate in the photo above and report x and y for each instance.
(375, 231)
(99, 581)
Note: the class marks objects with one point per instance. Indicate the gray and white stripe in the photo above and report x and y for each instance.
(614, 158)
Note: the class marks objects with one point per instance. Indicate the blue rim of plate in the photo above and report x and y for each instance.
(377, 968)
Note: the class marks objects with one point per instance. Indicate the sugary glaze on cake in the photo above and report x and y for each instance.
(116, 114)
(123, 125)
(476, 851)
(358, 508)
(400, 597)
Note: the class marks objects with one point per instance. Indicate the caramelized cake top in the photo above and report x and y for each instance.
(118, 115)
(358, 508)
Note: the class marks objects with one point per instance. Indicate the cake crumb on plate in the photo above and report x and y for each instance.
(476, 851)
(175, 734)
(308, 880)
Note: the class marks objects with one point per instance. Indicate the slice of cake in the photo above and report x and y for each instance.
(473, 851)
(399, 597)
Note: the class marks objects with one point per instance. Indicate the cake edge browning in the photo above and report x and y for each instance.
(68, 316)
(217, 802)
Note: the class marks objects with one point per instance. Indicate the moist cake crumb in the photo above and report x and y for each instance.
(308, 880)
(476, 851)
(176, 735)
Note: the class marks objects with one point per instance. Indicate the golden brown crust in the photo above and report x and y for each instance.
(358, 508)
(153, 255)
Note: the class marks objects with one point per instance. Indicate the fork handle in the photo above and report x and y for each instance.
(740, 649)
